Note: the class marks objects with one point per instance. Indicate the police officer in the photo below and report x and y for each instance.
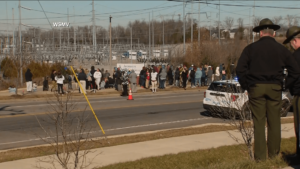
(259, 71)
(293, 37)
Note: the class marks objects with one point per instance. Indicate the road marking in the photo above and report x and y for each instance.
(151, 98)
(142, 105)
(122, 128)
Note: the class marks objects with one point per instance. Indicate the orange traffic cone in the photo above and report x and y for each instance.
(130, 95)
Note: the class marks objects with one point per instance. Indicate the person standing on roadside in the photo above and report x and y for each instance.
(82, 79)
(148, 78)
(132, 79)
(60, 82)
(170, 76)
(198, 75)
(217, 74)
(154, 80)
(184, 74)
(260, 72)
(53, 74)
(98, 76)
(162, 77)
(28, 78)
(192, 76)
(177, 76)
(93, 84)
(293, 38)
(209, 76)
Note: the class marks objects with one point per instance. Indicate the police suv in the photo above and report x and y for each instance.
(227, 95)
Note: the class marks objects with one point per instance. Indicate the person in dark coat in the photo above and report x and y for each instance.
(293, 38)
(94, 87)
(119, 81)
(82, 79)
(203, 77)
(177, 76)
(260, 72)
(170, 76)
(45, 84)
(142, 77)
(184, 77)
(192, 76)
(28, 78)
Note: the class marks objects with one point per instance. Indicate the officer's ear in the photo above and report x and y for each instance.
(274, 33)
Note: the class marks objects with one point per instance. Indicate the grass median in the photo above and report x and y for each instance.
(225, 157)
(39, 151)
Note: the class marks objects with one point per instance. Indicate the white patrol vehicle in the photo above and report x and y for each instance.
(225, 95)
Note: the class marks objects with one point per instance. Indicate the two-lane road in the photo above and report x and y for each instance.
(147, 112)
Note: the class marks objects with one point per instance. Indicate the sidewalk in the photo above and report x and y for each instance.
(135, 151)
(110, 90)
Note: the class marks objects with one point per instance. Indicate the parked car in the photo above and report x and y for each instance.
(226, 95)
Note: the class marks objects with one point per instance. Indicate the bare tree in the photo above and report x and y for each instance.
(256, 21)
(68, 134)
(240, 21)
(233, 105)
(291, 20)
(228, 22)
(277, 19)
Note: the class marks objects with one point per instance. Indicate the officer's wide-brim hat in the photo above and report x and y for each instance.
(291, 33)
(266, 24)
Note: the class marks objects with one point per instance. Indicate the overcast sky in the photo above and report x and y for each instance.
(126, 11)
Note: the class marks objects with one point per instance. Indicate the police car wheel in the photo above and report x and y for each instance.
(285, 108)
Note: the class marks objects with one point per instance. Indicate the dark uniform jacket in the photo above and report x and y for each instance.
(295, 89)
(263, 62)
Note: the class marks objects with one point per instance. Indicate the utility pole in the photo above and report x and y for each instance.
(20, 35)
(249, 25)
(13, 15)
(163, 34)
(199, 24)
(94, 38)
(152, 33)
(192, 25)
(131, 43)
(68, 30)
(149, 37)
(60, 39)
(253, 18)
(183, 27)
(219, 24)
(7, 26)
(210, 27)
(74, 39)
(110, 55)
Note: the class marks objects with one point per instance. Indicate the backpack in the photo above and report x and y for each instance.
(69, 78)
(89, 78)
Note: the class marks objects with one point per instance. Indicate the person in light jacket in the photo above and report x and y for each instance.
(198, 76)
(98, 76)
(163, 77)
(60, 82)
(132, 79)
(217, 75)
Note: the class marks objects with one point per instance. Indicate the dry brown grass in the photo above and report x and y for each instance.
(225, 157)
(17, 154)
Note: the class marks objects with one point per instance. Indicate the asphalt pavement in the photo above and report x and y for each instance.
(19, 121)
